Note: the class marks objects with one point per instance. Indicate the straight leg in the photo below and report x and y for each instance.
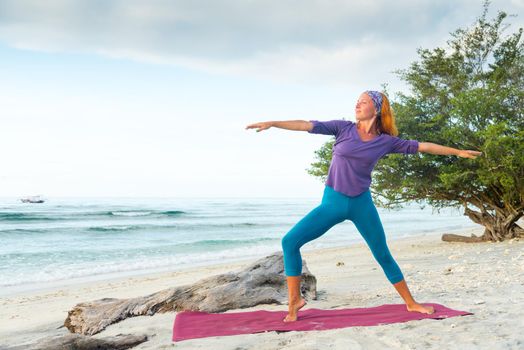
(365, 217)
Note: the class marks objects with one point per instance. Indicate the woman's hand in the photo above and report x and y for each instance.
(261, 126)
(433, 148)
(469, 154)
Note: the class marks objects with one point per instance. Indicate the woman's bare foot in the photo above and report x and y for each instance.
(293, 310)
(420, 308)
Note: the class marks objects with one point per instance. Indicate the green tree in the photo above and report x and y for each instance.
(468, 95)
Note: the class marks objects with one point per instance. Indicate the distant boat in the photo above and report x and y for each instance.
(32, 199)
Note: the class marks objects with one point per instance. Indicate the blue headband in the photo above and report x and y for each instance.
(377, 100)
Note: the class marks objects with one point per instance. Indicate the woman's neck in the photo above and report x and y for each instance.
(368, 126)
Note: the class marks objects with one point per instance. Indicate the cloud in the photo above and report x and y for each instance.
(337, 41)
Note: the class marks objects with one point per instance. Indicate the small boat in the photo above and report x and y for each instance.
(32, 199)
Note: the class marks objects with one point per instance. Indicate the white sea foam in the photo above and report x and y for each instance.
(83, 240)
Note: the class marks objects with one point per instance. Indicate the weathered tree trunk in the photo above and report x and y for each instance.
(262, 282)
(500, 224)
(82, 342)
(449, 237)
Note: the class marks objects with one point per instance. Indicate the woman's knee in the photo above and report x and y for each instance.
(288, 242)
(384, 257)
(390, 266)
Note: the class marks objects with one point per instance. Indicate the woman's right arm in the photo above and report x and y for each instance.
(298, 125)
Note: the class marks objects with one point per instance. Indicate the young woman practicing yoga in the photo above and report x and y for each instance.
(357, 148)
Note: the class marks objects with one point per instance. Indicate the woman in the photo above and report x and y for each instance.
(357, 148)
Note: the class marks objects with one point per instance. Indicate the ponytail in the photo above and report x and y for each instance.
(386, 120)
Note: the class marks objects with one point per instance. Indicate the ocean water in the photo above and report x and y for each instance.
(70, 239)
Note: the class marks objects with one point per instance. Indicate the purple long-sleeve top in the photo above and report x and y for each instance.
(353, 159)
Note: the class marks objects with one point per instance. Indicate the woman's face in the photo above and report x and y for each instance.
(364, 109)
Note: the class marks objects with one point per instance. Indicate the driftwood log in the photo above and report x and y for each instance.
(262, 282)
(450, 237)
(82, 342)
(497, 228)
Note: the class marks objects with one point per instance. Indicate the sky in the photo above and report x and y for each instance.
(106, 98)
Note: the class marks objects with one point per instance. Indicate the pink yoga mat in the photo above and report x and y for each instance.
(195, 324)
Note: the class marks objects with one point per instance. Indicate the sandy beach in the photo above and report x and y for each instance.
(486, 279)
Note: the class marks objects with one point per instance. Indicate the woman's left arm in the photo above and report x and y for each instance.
(433, 148)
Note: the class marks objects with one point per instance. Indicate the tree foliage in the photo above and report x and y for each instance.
(468, 95)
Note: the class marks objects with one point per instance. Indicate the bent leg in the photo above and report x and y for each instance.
(365, 217)
(313, 225)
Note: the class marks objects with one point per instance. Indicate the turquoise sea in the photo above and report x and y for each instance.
(71, 239)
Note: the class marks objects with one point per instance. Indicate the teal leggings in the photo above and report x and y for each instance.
(335, 208)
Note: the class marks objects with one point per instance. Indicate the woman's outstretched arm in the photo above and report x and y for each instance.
(433, 148)
(299, 125)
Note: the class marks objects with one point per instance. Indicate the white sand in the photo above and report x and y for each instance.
(486, 279)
